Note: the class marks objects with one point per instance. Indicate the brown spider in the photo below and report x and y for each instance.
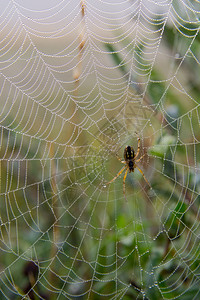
(130, 164)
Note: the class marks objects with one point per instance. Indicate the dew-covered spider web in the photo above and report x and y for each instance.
(80, 80)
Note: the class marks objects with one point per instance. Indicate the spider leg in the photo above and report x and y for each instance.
(139, 159)
(124, 185)
(142, 175)
(138, 148)
(119, 173)
(122, 161)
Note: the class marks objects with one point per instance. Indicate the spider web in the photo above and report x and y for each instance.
(80, 80)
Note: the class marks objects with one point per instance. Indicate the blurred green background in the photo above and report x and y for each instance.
(74, 93)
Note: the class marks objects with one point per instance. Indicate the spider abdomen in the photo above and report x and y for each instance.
(129, 153)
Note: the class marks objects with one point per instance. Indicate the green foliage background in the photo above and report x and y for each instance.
(65, 235)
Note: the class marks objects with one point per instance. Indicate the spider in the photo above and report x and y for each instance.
(130, 164)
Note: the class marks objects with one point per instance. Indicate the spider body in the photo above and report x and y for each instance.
(129, 158)
(130, 164)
